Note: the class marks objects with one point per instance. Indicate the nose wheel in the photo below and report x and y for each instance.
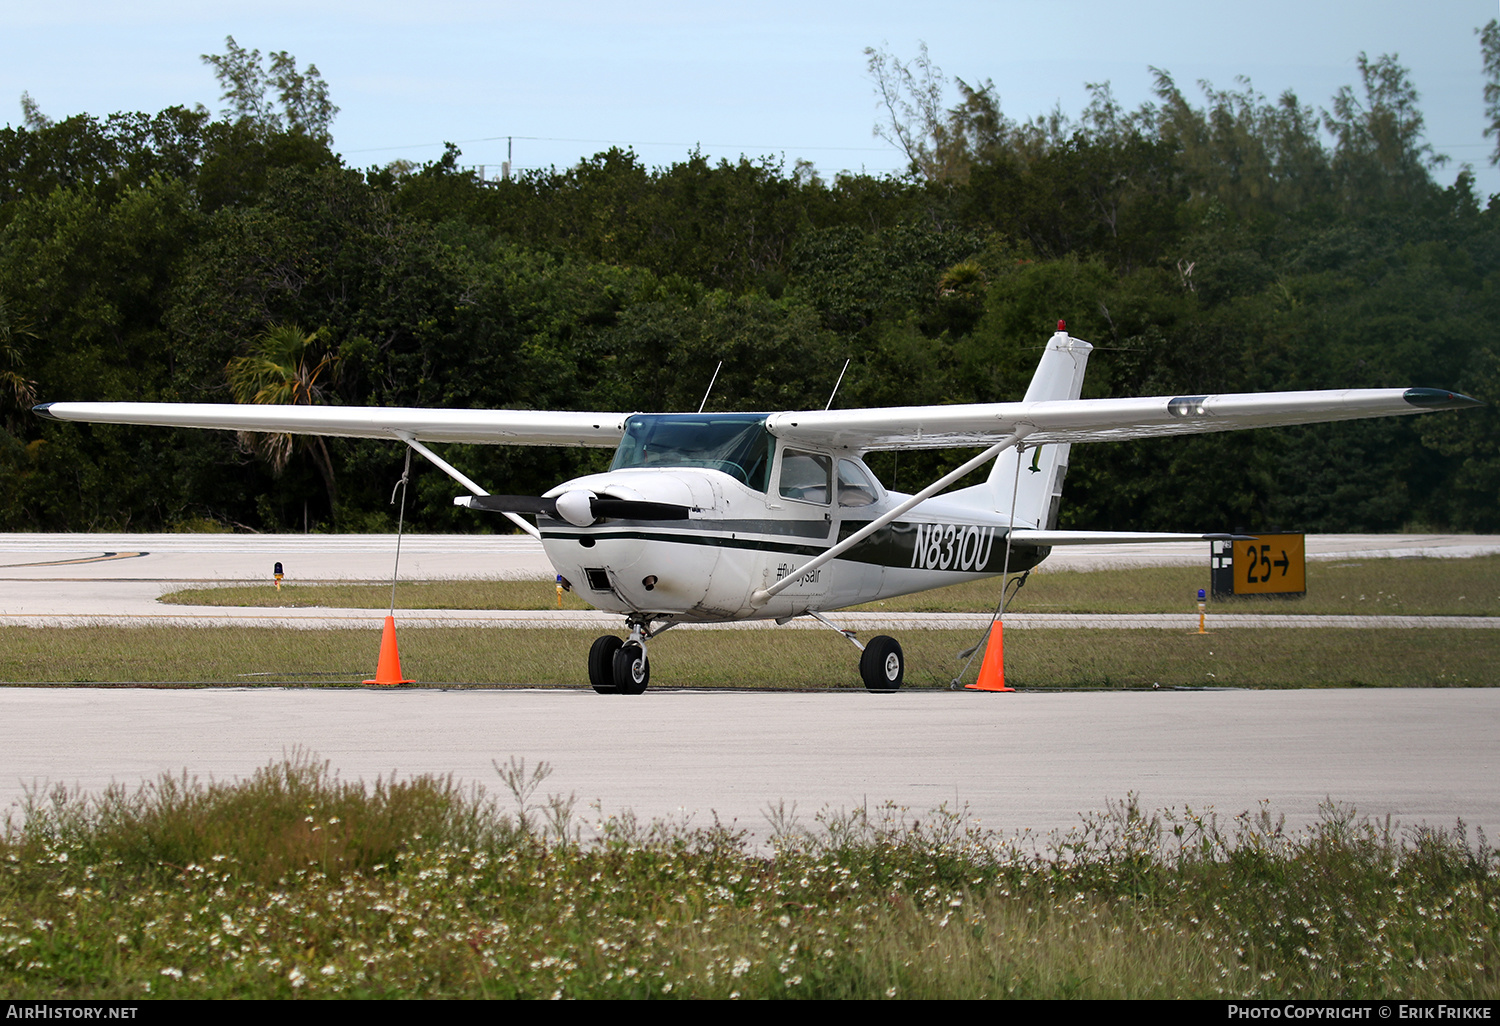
(632, 670)
(618, 667)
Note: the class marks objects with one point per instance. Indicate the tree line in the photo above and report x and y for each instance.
(1222, 243)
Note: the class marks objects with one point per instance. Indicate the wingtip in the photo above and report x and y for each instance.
(1439, 399)
(44, 410)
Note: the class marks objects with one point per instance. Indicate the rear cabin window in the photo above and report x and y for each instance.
(855, 486)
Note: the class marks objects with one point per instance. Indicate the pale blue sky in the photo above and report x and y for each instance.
(568, 78)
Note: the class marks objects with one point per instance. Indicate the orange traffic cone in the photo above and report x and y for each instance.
(388, 670)
(992, 670)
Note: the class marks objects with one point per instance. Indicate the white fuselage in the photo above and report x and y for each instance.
(739, 540)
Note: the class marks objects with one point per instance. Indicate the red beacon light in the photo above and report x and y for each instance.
(1062, 326)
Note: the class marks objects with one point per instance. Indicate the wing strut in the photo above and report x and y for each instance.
(457, 475)
(763, 595)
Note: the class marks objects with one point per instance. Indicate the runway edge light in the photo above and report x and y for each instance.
(992, 670)
(388, 670)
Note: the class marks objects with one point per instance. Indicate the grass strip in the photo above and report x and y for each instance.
(1264, 658)
(454, 594)
(1409, 587)
(297, 884)
(1370, 587)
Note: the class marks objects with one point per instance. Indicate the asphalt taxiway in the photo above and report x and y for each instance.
(1014, 761)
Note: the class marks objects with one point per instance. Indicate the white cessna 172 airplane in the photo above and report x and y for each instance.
(735, 516)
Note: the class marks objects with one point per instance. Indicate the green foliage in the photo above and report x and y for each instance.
(1475, 486)
(775, 354)
(1489, 38)
(1380, 157)
(305, 106)
(284, 367)
(1221, 245)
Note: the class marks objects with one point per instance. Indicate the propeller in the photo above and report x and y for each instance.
(579, 507)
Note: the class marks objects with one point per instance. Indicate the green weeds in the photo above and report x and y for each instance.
(424, 889)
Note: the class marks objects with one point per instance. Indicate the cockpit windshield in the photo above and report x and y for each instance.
(736, 443)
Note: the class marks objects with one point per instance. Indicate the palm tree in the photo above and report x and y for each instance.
(12, 381)
(283, 367)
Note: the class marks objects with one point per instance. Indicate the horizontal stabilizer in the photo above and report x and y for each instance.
(1115, 537)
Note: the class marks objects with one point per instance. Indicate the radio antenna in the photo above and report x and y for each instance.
(710, 386)
(836, 385)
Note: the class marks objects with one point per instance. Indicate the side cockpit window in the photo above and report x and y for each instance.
(806, 476)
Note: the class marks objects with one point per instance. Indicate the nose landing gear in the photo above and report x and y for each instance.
(632, 670)
(620, 667)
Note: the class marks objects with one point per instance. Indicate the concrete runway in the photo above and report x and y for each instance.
(1016, 761)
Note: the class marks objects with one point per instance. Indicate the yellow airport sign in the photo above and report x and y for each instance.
(1271, 564)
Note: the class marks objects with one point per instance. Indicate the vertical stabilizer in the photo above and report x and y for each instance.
(1059, 375)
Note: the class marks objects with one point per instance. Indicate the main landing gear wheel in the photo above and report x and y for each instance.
(882, 665)
(602, 664)
(632, 671)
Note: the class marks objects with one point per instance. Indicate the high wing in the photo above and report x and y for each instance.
(897, 427)
(1046, 416)
(491, 427)
(1099, 420)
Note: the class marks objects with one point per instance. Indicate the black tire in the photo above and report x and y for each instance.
(632, 669)
(882, 665)
(602, 664)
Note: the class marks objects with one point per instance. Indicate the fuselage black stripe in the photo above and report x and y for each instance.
(925, 547)
(690, 539)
